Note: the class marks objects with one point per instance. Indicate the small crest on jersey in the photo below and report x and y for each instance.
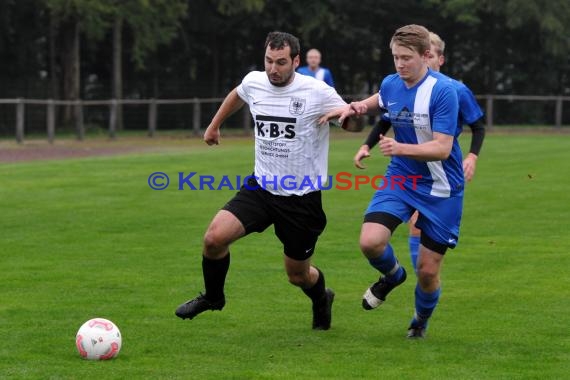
(297, 106)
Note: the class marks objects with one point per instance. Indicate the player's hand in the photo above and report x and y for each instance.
(347, 111)
(363, 152)
(324, 119)
(389, 146)
(212, 135)
(359, 108)
(469, 165)
(353, 109)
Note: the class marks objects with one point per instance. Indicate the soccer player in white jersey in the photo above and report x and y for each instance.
(291, 153)
(422, 107)
(469, 113)
(314, 68)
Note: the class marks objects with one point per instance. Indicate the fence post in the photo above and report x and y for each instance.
(113, 118)
(20, 115)
(79, 127)
(558, 115)
(196, 117)
(489, 111)
(152, 117)
(246, 120)
(50, 120)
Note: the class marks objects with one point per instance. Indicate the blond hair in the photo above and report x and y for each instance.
(436, 41)
(414, 37)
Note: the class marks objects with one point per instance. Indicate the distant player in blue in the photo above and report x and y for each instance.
(469, 113)
(422, 107)
(314, 69)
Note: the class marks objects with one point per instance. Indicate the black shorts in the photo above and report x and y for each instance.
(298, 220)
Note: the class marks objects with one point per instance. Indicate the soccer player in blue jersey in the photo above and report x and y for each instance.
(469, 113)
(422, 107)
(314, 69)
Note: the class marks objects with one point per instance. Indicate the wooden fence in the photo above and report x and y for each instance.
(490, 100)
(196, 103)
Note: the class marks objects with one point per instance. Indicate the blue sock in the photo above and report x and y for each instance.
(425, 305)
(414, 244)
(388, 265)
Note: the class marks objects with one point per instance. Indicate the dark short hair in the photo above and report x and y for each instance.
(278, 40)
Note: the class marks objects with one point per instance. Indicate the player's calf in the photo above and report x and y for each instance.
(322, 311)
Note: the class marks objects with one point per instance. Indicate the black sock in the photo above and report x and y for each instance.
(214, 272)
(317, 291)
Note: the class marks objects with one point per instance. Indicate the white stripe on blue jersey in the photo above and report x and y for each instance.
(440, 187)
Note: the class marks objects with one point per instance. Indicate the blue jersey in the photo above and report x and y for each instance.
(469, 110)
(415, 114)
(321, 74)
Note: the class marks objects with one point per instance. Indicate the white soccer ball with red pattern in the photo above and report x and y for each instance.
(98, 339)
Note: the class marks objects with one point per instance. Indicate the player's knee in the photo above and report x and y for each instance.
(298, 278)
(214, 242)
(371, 246)
(427, 275)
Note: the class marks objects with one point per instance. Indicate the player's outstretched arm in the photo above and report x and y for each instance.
(367, 106)
(334, 114)
(363, 107)
(231, 104)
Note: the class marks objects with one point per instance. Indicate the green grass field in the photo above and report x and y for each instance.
(88, 237)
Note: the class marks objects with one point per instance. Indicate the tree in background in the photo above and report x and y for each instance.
(21, 55)
(508, 46)
(201, 48)
(217, 39)
(152, 22)
(68, 18)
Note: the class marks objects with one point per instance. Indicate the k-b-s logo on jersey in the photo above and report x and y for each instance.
(275, 126)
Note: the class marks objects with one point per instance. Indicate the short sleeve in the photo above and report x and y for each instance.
(469, 109)
(243, 89)
(331, 100)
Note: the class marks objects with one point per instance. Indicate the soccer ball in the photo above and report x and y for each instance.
(98, 339)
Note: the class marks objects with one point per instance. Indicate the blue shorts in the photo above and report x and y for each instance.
(439, 218)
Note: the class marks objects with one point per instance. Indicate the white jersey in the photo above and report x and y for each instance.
(290, 147)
